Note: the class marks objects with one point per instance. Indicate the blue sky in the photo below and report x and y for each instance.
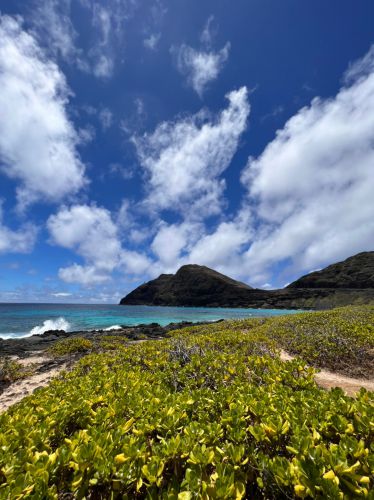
(136, 137)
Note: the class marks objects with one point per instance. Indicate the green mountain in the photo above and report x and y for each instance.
(192, 285)
(347, 282)
(354, 272)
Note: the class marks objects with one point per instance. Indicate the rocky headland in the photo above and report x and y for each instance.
(344, 283)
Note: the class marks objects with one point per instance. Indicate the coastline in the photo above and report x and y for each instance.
(32, 353)
(24, 346)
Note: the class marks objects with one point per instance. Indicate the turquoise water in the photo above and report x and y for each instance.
(20, 320)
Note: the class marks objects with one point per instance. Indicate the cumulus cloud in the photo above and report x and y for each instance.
(91, 233)
(20, 241)
(37, 139)
(16, 241)
(183, 160)
(200, 67)
(84, 275)
(312, 187)
(172, 240)
(308, 198)
(223, 247)
(133, 262)
(192, 242)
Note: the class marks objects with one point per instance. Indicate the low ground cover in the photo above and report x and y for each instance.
(211, 412)
(11, 371)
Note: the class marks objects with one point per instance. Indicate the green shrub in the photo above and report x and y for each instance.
(211, 412)
(69, 346)
(112, 342)
(11, 371)
(340, 340)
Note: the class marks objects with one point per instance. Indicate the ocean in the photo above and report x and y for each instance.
(22, 320)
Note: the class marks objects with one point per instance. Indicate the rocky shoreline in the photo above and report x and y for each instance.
(33, 354)
(24, 347)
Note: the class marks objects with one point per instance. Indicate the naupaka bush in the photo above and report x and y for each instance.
(211, 412)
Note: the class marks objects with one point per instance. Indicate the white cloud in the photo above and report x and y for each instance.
(86, 134)
(360, 68)
(106, 118)
(201, 67)
(129, 226)
(309, 195)
(173, 240)
(222, 248)
(207, 34)
(312, 187)
(92, 234)
(135, 263)
(103, 66)
(101, 53)
(52, 24)
(61, 294)
(37, 139)
(84, 275)
(184, 160)
(151, 41)
(21, 241)
(108, 22)
(83, 228)
(192, 243)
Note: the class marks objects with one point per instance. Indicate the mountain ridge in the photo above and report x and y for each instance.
(347, 282)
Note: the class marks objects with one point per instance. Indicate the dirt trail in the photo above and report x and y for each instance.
(328, 380)
(18, 390)
(24, 387)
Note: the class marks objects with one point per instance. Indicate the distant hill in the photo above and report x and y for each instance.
(192, 285)
(354, 272)
(347, 282)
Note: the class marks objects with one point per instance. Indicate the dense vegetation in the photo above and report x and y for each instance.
(211, 412)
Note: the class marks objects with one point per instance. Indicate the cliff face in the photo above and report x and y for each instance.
(348, 282)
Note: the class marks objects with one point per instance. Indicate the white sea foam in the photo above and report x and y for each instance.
(51, 324)
(113, 327)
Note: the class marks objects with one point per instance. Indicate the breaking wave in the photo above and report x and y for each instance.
(113, 327)
(51, 324)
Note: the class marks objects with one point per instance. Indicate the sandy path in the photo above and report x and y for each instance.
(22, 388)
(328, 380)
(18, 390)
